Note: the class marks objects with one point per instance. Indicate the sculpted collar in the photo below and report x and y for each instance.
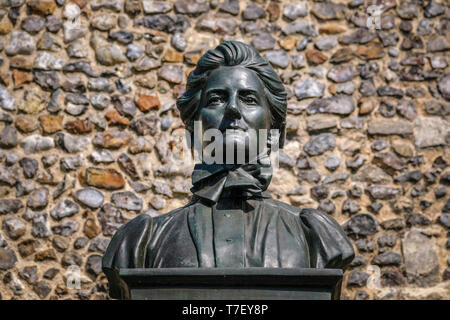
(213, 181)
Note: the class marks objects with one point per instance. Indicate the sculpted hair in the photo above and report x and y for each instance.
(234, 53)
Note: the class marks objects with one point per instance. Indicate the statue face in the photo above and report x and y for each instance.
(233, 101)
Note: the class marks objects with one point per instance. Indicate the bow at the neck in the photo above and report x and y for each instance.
(246, 180)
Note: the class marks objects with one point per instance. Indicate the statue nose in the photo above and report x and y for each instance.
(232, 110)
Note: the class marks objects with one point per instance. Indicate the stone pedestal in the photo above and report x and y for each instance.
(230, 284)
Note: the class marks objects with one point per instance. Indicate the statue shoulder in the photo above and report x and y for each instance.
(128, 236)
(127, 249)
(284, 206)
(329, 245)
(145, 222)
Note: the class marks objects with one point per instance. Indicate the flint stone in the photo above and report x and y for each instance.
(110, 219)
(38, 199)
(383, 192)
(100, 101)
(111, 139)
(367, 88)
(305, 28)
(444, 86)
(253, 12)
(65, 208)
(73, 30)
(389, 162)
(71, 11)
(10, 206)
(417, 219)
(99, 244)
(24, 187)
(48, 80)
(102, 156)
(320, 122)
(8, 137)
(309, 88)
(407, 109)
(8, 258)
(339, 104)
(147, 125)
(328, 10)
(36, 143)
(164, 22)
(100, 84)
(62, 186)
(90, 197)
(361, 36)
(263, 41)
(127, 200)
(3, 242)
(191, 7)
(151, 7)
(114, 5)
(389, 127)
(387, 259)
(66, 228)
(421, 261)
(110, 55)
(230, 6)
(94, 264)
(80, 66)
(298, 61)
(104, 22)
(7, 101)
(357, 278)
(319, 144)
(326, 43)
(433, 9)
(41, 225)
(341, 73)
(134, 52)
(332, 162)
(438, 62)
(32, 24)
(123, 37)
(425, 27)
(437, 43)
(430, 132)
(356, 162)
(178, 41)
(70, 143)
(171, 73)
(296, 10)
(10, 159)
(125, 105)
(29, 166)
(362, 224)
(20, 43)
(387, 240)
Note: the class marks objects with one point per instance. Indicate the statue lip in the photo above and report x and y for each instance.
(233, 127)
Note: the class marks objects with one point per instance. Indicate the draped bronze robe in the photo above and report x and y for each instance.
(230, 222)
(266, 233)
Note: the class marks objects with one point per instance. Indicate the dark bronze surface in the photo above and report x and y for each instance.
(231, 283)
(231, 221)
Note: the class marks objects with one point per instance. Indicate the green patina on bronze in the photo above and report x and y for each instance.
(231, 221)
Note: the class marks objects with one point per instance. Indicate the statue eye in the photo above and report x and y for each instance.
(214, 100)
(249, 99)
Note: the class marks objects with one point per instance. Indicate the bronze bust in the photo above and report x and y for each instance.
(231, 221)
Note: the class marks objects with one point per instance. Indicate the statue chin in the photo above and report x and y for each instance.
(240, 141)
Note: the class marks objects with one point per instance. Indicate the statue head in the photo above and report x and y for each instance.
(235, 91)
